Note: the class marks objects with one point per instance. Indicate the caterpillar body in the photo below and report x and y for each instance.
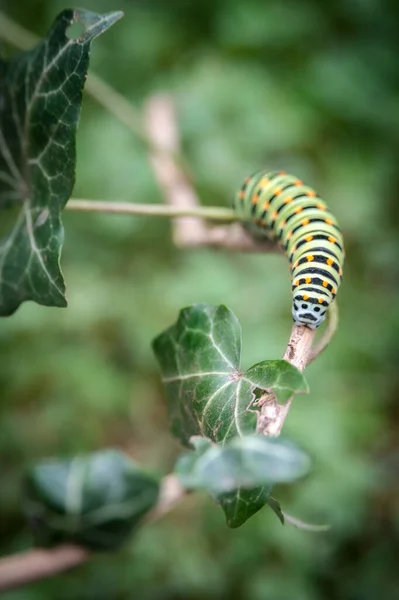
(284, 209)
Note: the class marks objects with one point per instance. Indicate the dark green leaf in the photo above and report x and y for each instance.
(96, 501)
(240, 475)
(244, 462)
(239, 505)
(40, 100)
(207, 393)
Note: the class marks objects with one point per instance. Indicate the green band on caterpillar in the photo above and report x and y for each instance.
(282, 208)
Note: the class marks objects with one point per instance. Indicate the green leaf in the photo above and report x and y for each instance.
(96, 501)
(240, 475)
(241, 504)
(40, 101)
(243, 462)
(207, 392)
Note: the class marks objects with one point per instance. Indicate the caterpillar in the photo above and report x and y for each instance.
(282, 208)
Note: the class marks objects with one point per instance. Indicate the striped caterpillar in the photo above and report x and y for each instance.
(284, 209)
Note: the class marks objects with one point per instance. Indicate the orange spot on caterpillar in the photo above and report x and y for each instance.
(284, 223)
(305, 296)
(266, 205)
(332, 240)
(294, 249)
(308, 280)
(309, 238)
(340, 272)
(264, 181)
(289, 235)
(255, 199)
(325, 283)
(310, 258)
(333, 291)
(321, 206)
(278, 191)
(288, 200)
(311, 193)
(298, 182)
(275, 215)
(329, 221)
(305, 222)
(330, 262)
(298, 209)
(321, 300)
(242, 195)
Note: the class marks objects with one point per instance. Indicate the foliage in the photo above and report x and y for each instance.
(240, 474)
(208, 394)
(96, 500)
(40, 99)
(308, 86)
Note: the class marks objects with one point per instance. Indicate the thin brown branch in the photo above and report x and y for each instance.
(177, 189)
(272, 413)
(171, 494)
(161, 127)
(20, 569)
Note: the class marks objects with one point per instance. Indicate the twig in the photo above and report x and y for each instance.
(20, 569)
(328, 333)
(171, 493)
(230, 238)
(213, 213)
(161, 127)
(177, 189)
(272, 414)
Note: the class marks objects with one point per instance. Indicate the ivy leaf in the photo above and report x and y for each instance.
(243, 462)
(241, 504)
(207, 393)
(40, 101)
(96, 500)
(240, 475)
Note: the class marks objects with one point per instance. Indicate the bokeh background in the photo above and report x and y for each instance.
(304, 85)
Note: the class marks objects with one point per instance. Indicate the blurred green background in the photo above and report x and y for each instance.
(310, 87)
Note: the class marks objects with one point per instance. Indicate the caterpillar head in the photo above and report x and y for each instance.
(308, 312)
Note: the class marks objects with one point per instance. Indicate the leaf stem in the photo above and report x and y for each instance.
(305, 526)
(213, 213)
